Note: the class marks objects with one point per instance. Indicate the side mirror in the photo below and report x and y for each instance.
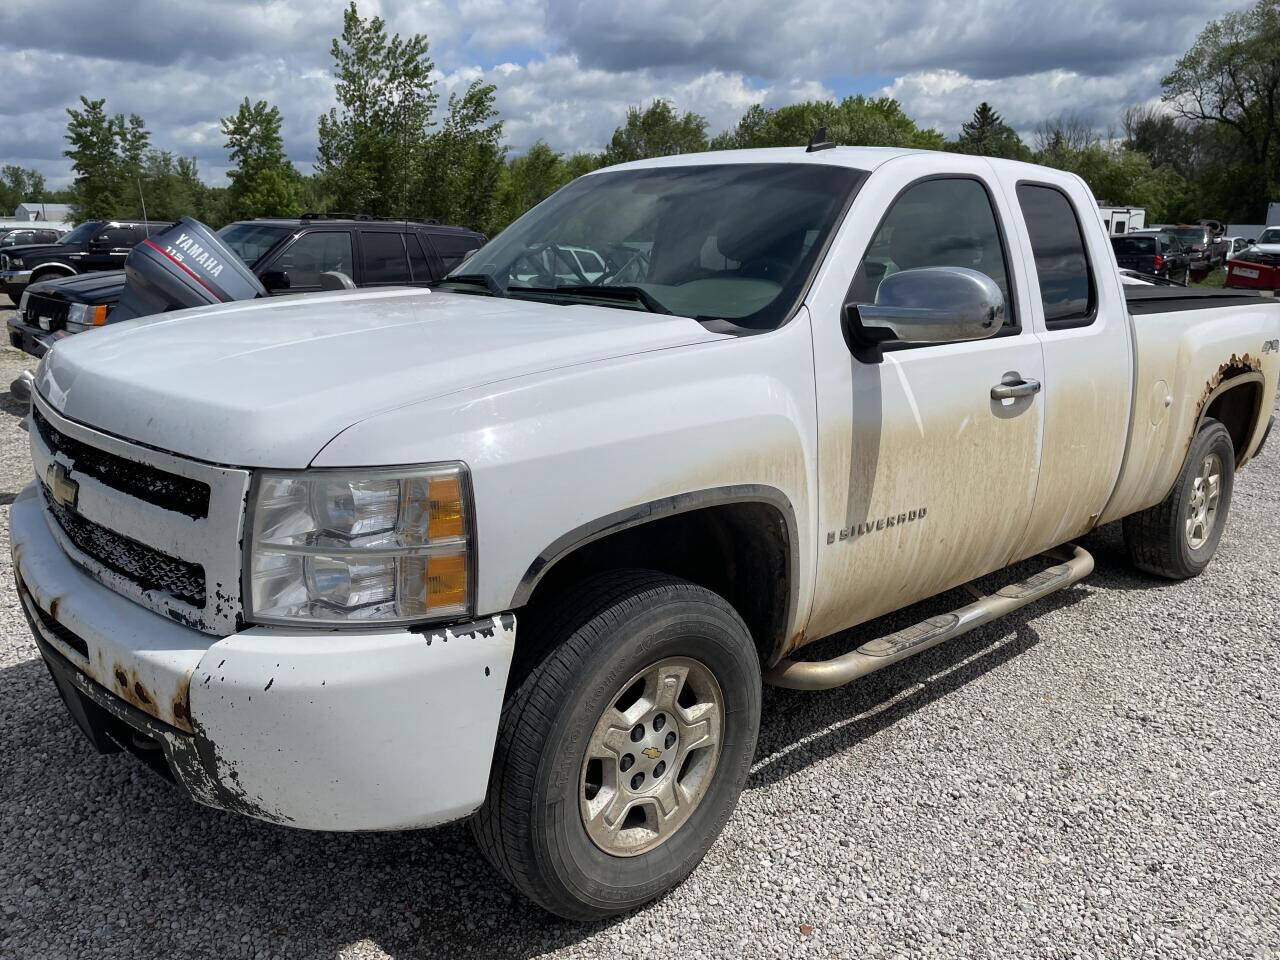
(925, 305)
(275, 280)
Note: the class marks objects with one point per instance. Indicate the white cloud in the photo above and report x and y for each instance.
(566, 70)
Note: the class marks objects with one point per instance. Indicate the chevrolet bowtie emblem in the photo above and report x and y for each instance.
(62, 488)
(652, 753)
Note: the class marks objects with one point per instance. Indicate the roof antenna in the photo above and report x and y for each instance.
(143, 200)
(818, 141)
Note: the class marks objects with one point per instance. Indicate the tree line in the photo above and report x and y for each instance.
(390, 148)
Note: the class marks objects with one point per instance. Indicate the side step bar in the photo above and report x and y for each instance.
(883, 651)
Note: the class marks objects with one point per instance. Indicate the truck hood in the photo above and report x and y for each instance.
(93, 288)
(267, 383)
(42, 250)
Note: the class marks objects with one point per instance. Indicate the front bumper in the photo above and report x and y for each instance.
(15, 278)
(316, 729)
(31, 339)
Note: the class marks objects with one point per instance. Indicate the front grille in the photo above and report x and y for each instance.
(147, 567)
(47, 313)
(167, 490)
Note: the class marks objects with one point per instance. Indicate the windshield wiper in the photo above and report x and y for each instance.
(595, 291)
(485, 280)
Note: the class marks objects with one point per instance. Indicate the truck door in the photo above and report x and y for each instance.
(926, 480)
(1080, 316)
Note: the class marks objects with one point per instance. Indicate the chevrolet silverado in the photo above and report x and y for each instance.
(524, 548)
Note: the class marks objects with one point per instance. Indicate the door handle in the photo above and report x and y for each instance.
(1013, 389)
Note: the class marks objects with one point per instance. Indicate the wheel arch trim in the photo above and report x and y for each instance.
(643, 513)
(1257, 420)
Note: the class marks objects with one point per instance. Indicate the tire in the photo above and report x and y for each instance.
(607, 639)
(1177, 537)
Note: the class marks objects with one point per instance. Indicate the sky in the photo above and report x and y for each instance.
(566, 70)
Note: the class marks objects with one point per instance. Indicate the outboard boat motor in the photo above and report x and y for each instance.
(185, 266)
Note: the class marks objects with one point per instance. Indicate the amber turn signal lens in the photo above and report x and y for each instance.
(444, 508)
(446, 582)
(96, 316)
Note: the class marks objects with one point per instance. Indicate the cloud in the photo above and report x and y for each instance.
(566, 70)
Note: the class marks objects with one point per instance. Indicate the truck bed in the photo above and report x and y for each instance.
(1173, 299)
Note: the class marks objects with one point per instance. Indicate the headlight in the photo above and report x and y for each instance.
(82, 316)
(360, 547)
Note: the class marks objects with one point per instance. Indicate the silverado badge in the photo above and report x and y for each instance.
(62, 488)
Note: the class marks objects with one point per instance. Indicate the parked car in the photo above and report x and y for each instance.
(527, 550)
(1207, 252)
(288, 255)
(1160, 255)
(27, 233)
(1258, 267)
(91, 246)
(1237, 245)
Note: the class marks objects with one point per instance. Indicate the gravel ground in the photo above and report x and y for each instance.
(1092, 777)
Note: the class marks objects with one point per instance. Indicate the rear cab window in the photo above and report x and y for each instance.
(1067, 287)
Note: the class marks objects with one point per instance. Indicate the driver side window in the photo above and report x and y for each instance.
(937, 223)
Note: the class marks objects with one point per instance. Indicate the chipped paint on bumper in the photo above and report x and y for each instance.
(325, 730)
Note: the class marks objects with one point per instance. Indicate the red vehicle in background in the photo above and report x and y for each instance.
(1258, 268)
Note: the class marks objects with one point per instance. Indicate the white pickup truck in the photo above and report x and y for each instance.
(524, 547)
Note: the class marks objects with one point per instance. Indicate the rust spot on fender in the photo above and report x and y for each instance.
(141, 692)
(1236, 366)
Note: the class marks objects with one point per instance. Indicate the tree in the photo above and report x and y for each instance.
(656, 131)
(463, 160)
(95, 140)
(18, 184)
(1230, 79)
(373, 142)
(854, 121)
(986, 134)
(263, 182)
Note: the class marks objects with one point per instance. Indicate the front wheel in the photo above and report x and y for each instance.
(1178, 536)
(621, 755)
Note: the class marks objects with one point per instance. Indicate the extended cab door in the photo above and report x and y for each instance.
(925, 480)
(108, 248)
(1079, 314)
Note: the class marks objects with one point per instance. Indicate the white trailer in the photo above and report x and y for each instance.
(1118, 220)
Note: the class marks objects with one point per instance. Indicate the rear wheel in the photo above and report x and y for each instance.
(621, 755)
(1179, 536)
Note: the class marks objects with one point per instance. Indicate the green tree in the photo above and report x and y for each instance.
(18, 184)
(986, 134)
(96, 142)
(463, 160)
(263, 182)
(656, 131)
(1230, 79)
(374, 141)
(854, 121)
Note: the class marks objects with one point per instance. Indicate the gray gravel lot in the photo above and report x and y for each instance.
(1093, 777)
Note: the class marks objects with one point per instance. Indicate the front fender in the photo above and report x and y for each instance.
(555, 453)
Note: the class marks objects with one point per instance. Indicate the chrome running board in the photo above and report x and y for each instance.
(883, 651)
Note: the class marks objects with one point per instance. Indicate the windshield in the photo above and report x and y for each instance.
(1190, 234)
(249, 241)
(1134, 246)
(732, 242)
(1270, 236)
(81, 234)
